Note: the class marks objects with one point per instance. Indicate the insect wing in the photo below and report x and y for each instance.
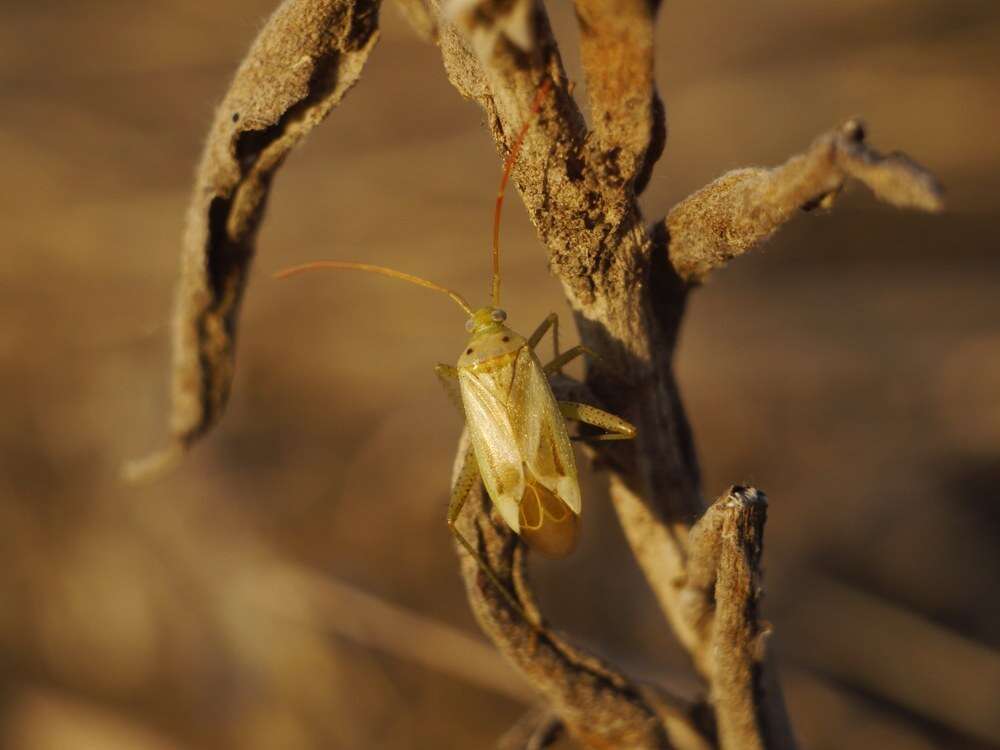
(492, 436)
(540, 430)
(547, 524)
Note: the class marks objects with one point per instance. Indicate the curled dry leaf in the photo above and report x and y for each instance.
(301, 65)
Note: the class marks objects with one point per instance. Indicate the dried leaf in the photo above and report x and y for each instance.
(305, 59)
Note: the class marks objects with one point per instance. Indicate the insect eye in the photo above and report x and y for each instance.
(498, 316)
(470, 325)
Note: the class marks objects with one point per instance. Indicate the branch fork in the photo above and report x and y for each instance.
(627, 284)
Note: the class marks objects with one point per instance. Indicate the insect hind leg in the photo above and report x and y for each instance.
(616, 427)
(468, 475)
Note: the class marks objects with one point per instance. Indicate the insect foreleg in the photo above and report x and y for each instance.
(617, 428)
(448, 377)
(467, 477)
(551, 321)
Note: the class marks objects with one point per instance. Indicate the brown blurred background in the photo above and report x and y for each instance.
(851, 370)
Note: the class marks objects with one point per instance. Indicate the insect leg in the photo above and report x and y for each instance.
(617, 428)
(567, 356)
(448, 377)
(551, 321)
(467, 477)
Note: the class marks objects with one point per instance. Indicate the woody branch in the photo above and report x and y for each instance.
(627, 285)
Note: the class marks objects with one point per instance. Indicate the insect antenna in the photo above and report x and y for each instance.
(381, 270)
(515, 149)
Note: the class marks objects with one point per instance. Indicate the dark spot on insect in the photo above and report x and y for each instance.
(236, 116)
(505, 339)
(469, 350)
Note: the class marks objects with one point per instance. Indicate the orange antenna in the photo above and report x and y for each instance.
(381, 270)
(515, 149)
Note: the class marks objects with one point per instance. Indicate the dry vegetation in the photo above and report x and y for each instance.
(201, 615)
(627, 286)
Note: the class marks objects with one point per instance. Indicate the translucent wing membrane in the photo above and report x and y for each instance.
(523, 450)
(540, 430)
(547, 524)
(499, 458)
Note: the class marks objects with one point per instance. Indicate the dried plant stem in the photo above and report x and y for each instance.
(627, 284)
(599, 705)
(536, 730)
(628, 288)
(744, 207)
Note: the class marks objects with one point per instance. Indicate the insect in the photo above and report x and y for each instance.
(517, 429)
